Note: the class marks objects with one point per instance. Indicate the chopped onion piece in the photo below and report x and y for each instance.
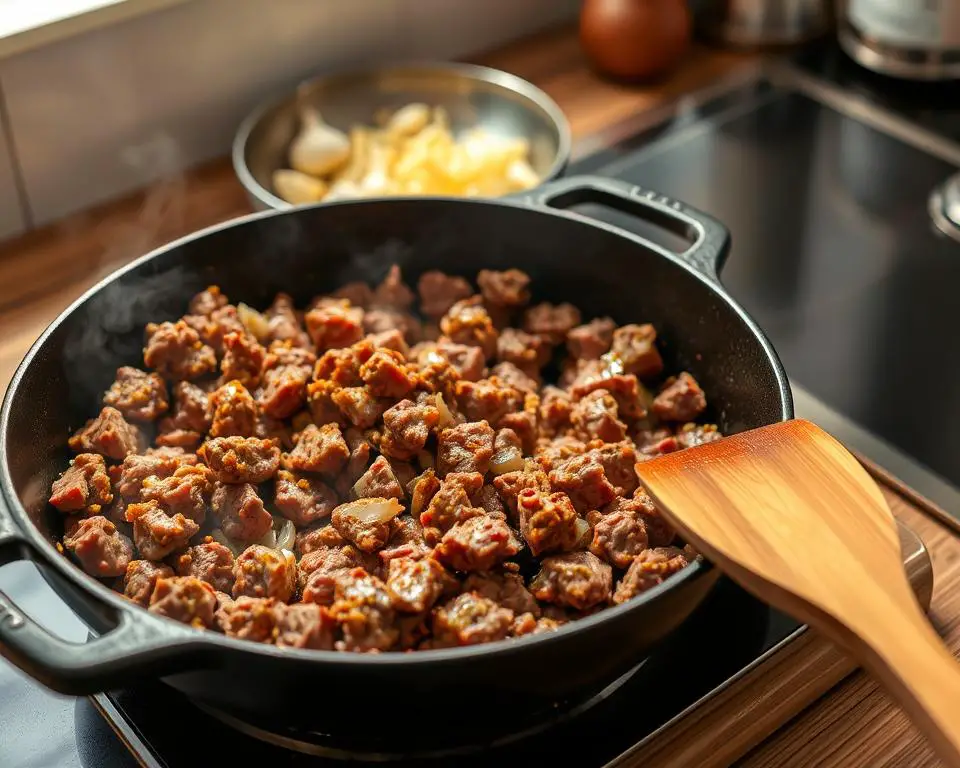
(357, 487)
(417, 507)
(221, 538)
(506, 460)
(584, 533)
(417, 502)
(286, 534)
(446, 418)
(269, 539)
(612, 365)
(253, 321)
(372, 510)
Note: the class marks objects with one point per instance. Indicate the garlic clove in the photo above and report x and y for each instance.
(298, 188)
(344, 190)
(408, 120)
(318, 149)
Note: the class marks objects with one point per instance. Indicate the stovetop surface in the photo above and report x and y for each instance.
(933, 105)
(834, 251)
(834, 255)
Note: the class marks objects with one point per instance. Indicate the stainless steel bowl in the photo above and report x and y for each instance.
(473, 96)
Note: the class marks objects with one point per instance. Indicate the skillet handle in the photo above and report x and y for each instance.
(137, 645)
(710, 240)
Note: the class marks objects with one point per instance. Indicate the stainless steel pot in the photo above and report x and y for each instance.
(762, 23)
(910, 39)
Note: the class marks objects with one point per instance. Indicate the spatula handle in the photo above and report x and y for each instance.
(909, 657)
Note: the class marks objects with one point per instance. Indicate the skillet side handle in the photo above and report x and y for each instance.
(139, 645)
(710, 240)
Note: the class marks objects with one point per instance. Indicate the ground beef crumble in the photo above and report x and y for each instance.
(346, 476)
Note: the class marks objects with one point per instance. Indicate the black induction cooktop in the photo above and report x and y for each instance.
(823, 174)
(835, 253)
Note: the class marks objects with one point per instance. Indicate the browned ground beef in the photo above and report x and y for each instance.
(109, 435)
(438, 292)
(84, 485)
(137, 467)
(156, 533)
(186, 491)
(241, 459)
(184, 599)
(240, 512)
(174, 350)
(302, 499)
(208, 561)
(344, 476)
(264, 572)
(140, 579)
(138, 395)
(303, 625)
(470, 619)
(249, 618)
(99, 547)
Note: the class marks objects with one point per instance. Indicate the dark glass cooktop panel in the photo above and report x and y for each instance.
(933, 105)
(834, 254)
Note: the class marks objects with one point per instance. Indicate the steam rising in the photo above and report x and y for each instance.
(107, 331)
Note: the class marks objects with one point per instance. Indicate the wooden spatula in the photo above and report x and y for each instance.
(794, 518)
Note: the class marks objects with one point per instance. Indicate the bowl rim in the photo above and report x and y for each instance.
(479, 72)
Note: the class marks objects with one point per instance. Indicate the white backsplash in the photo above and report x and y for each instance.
(12, 219)
(101, 114)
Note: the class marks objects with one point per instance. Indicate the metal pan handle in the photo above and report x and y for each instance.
(710, 239)
(138, 645)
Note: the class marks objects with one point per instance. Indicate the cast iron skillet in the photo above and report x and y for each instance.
(603, 270)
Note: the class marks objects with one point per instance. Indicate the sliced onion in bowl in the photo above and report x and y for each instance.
(372, 510)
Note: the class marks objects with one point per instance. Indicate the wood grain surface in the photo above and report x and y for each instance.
(42, 272)
(775, 689)
(794, 518)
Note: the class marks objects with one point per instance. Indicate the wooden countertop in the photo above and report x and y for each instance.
(42, 272)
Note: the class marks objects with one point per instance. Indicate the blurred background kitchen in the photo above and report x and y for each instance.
(102, 97)
(827, 138)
